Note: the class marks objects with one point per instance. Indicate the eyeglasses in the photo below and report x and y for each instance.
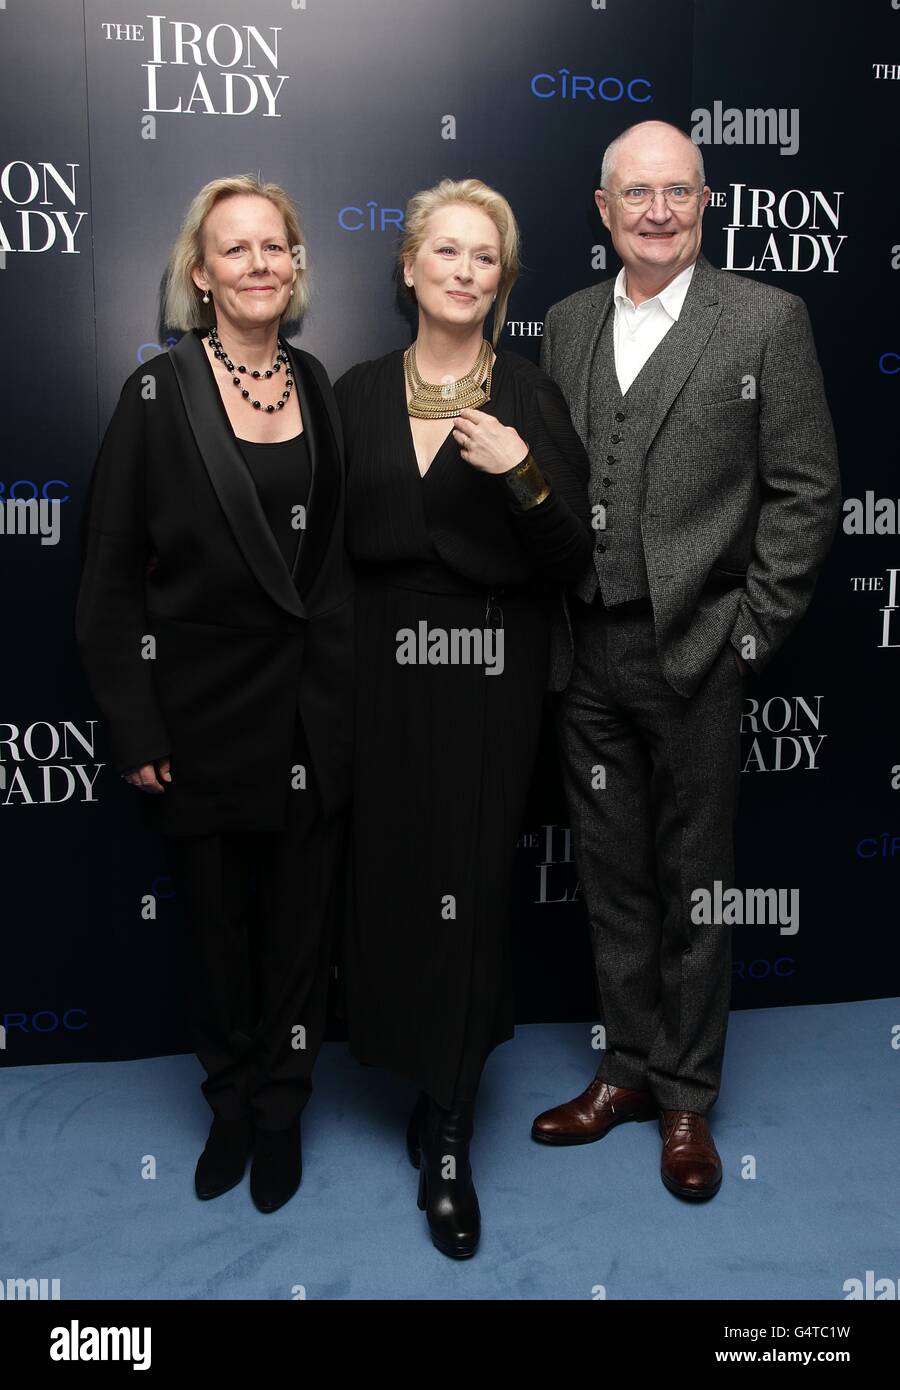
(638, 199)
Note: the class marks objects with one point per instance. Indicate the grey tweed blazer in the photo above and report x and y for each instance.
(740, 492)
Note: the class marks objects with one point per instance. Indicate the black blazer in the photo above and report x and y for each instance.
(178, 550)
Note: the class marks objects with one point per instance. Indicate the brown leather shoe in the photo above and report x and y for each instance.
(690, 1165)
(592, 1114)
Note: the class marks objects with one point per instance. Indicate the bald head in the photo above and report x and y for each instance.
(651, 142)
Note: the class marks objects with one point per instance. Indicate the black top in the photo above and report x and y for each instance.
(281, 475)
(466, 517)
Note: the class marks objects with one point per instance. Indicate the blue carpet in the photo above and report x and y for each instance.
(809, 1093)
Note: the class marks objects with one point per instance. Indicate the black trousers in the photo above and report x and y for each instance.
(651, 780)
(258, 909)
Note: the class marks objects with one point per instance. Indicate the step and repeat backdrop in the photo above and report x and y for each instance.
(115, 112)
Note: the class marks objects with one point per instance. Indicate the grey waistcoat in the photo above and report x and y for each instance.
(617, 445)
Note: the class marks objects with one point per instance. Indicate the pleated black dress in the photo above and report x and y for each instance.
(445, 752)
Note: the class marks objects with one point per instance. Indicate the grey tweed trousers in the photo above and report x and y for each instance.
(651, 779)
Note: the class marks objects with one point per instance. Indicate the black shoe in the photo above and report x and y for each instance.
(221, 1165)
(277, 1166)
(446, 1191)
(414, 1130)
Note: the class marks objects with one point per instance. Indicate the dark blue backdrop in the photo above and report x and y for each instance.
(111, 121)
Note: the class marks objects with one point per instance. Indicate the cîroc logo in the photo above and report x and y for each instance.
(44, 764)
(790, 231)
(371, 218)
(40, 1021)
(565, 85)
(224, 70)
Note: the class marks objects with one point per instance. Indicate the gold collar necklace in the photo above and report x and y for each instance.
(430, 402)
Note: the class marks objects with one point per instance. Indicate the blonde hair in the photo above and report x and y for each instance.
(184, 308)
(470, 193)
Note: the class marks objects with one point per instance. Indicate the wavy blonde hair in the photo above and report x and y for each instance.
(184, 308)
(470, 193)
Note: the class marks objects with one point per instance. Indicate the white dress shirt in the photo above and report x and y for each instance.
(640, 329)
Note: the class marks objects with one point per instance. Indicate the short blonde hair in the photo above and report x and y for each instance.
(184, 308)
(470, 193)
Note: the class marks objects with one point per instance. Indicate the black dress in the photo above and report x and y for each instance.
(445, 751)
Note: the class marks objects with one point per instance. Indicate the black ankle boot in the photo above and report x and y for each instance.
(414, 1130)
(222, 1162)
(277, 1166)
(446, 1191)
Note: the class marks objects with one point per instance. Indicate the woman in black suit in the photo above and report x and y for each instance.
(467, 511)
(215, 625)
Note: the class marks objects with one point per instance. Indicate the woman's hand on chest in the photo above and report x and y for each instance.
(487, 444)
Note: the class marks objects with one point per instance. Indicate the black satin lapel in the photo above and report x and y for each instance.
(311, 430)
(324, 487)
(229, 474)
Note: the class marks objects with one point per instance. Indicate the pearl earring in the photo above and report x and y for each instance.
(206, 297)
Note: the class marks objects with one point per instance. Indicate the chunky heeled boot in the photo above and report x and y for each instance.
(446, 1191)
(222, 1162)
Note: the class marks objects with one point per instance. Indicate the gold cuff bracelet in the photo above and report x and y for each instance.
(527, 483)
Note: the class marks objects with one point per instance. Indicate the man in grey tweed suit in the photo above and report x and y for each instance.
(715, 493)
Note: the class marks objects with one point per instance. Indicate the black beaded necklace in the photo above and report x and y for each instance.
(281, 360)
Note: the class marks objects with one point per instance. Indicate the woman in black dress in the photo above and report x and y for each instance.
(467, 511)
(215, 624)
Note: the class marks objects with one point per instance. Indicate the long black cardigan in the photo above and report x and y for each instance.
(178, 550)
